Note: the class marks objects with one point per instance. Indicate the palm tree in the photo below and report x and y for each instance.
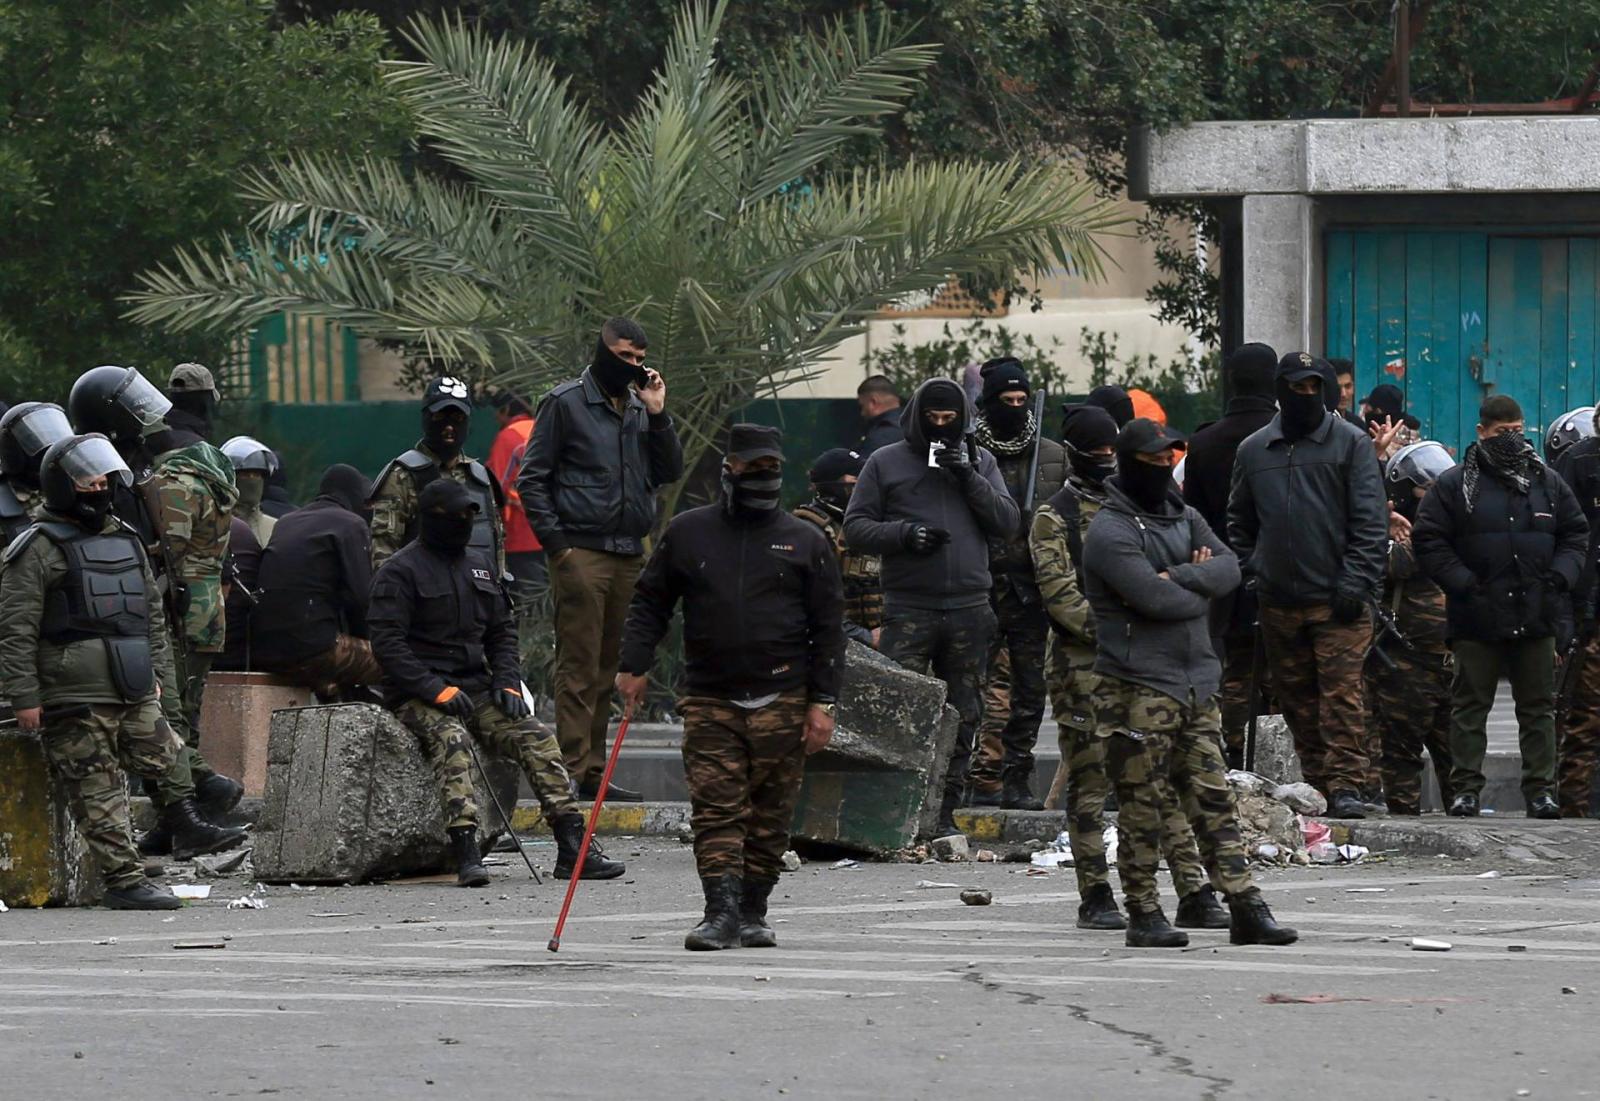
(710, 217)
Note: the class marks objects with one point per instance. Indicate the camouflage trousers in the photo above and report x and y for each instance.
(446, 739)
(984, 775)
(1316, 666)
(1011, 715)
(1580, 739)
(954, 646)
(1159, 751)
(177, 783)
(348, 663)
(1238, 650)
(89, 752)
(1408, 711)
(744, 767)
(1085, 785)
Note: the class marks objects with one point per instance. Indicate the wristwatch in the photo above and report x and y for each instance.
(828, 707)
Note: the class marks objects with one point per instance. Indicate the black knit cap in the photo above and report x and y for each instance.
(836, 463)
(1250, 368)
(347, 485)
(1087, 427)
(1001, 376)
(1114, 400)
(755, 441)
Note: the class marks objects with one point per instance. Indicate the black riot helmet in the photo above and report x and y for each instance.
(118, 402)
(70, 462)
(26, 431)
(1567, 429)
(1415, 466)
(250, 454)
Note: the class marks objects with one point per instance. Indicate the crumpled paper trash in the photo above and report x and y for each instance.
(1301, 798)
(1058, 853)
(1271, 830)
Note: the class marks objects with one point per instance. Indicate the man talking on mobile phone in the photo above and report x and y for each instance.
(601, 447)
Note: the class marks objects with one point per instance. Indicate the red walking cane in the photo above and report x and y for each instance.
(588, 831)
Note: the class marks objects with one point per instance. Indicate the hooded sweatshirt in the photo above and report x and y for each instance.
(1150, 630)
(898, 491)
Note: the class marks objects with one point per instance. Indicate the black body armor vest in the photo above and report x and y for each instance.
(479, 484)
(104, 597)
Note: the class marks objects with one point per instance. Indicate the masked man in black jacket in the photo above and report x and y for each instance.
(763, 645)
(443, 633)
(1505, 539)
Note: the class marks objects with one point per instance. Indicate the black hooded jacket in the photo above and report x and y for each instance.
(1208, 471)
(315, 576)
(900, 491)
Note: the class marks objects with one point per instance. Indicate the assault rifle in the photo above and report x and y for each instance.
(1033, 470)
(1572, 659)
(1388, 631)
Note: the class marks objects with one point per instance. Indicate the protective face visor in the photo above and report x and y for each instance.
(1419, 464)
(144, 402)
(40, 427)
(247, 453)
(1570, 427)
(91, 458)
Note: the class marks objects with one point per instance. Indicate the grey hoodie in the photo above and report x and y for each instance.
(1151, 630)
(898, 491)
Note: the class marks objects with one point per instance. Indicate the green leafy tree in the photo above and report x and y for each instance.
(122, 127)
(708, 214)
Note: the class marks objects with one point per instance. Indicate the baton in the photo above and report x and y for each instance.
(588, 832)
(494, 797)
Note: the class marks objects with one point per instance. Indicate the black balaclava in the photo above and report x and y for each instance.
(1004, 376)
(92, 507)
(1146, 484)
(613, 374)
(752, 493)
(1301, 414)
(347, 486)
(943, 396)
(1084, 428)
(433, 426)
(827, 476)
(1249, 369)
(445, 516)
(199, 405)
(1114, 400)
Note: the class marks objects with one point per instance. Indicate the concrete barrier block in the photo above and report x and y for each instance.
(43, 861)
(236, 722)
(878, 782)
(1275, 755)
(350, 797)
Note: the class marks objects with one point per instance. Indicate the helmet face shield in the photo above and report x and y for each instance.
(93, 457)
(143, 401)
(247, 453)
(1419, 463)
(40, 427)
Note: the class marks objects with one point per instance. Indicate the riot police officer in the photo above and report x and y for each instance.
(26, 431)
(253, 463)
(446, 414)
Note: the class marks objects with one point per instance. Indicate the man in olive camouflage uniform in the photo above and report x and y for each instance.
(446, 414)
(1014, 700)
(833, 476)
(1056, 542)
(1151, 568)
(1408, 697)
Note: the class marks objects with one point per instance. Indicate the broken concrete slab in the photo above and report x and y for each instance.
(236, 722)
(1275, 755)
(43, 861)
(350, 797)
(877, 785)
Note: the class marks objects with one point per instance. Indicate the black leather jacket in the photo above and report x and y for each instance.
(590, 474)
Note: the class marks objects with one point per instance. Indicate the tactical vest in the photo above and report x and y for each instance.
(103, 596)
(480, 484)
(14, 518)
(861, 574)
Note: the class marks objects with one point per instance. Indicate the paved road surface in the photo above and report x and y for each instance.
(881, 990)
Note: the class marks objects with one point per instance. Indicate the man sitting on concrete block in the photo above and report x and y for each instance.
(443, 633)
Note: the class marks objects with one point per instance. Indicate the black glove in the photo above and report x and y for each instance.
(922, 539)
(454, 702)
(956, 460)
(1556, 581)
(180, 599)
(511, 702)
(1347, 609)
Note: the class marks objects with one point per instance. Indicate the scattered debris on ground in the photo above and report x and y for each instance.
(975, 897)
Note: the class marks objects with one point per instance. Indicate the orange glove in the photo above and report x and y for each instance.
(453, 701)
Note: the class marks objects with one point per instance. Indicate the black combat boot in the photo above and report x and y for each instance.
(470, 871)
(1346, 804)
(1543, 805)
(1016, 792)
(1464, 805)
(1199, 909)
(945, 825)
(1098, 910)
(142, 895)
(754, 932)
(720, 928)
(1149, 929)
(157, 841)
(569, 838)
(1253, 922)
(193, 836)
(217, 795)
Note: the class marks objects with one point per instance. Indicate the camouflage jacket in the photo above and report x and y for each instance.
(1055, 547)
(861, 573)
(195, 491)
(1416, 603)
(34, 671)
(394, 506)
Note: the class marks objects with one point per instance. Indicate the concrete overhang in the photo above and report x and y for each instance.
(1210, 160)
